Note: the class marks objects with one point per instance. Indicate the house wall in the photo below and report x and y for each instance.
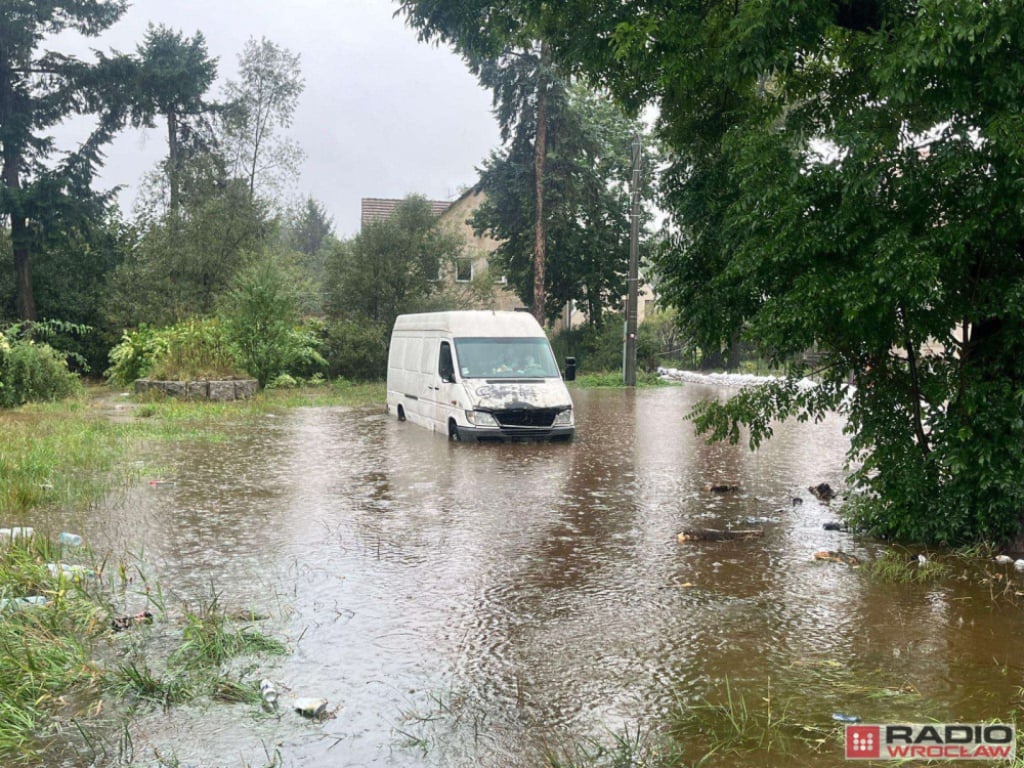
(481, 293)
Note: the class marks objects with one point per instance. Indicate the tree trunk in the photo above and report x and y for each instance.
(25, 302)
(540, 248)
(173, 160)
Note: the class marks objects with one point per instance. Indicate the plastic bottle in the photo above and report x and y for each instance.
(69, 539)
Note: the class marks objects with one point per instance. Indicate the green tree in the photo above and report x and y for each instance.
(514, 62)
(42, 199)
(175, 73)
(391, 266)
(846, 176)
(588, 206)
(260, 103)
(181, 263)
(260, 312)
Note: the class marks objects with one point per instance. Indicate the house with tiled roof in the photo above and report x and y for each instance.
(470, 279)
(380, 208)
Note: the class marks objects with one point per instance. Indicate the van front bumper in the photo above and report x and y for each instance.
(515, 434)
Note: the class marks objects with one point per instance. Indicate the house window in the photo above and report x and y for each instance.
(463, 270)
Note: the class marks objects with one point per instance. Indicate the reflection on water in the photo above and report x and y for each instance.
(466, 605)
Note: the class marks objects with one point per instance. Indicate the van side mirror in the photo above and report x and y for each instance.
(570, 369)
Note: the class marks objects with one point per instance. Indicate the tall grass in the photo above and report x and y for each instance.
(56, 454)
(46, 651)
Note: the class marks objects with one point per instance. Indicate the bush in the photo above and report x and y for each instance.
(260, 314)
(595, 349)
(192, 349)
(134, 356)
(31, 371)
(355, 350)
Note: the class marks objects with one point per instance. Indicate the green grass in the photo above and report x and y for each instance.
(46, 651)
(729, 724)
(900, 566)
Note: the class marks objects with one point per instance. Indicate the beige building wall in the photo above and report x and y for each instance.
(471, 280)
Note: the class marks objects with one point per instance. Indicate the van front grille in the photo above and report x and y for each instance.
(516, 418)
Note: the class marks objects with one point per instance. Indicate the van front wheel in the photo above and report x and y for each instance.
(453, 431)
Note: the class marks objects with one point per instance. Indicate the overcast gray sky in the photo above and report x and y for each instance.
(381, 116)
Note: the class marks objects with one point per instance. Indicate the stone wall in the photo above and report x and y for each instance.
(218, 391)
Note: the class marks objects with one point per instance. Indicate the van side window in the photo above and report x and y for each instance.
(445, 365)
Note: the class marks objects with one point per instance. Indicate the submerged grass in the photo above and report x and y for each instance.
(732, 725)
(901, 566)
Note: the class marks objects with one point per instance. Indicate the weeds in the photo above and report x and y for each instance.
(628, 749)
(735, 726)
(210, 638)
(899, 566)
(51, 644)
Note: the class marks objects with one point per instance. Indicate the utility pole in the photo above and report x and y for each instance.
(632, 276)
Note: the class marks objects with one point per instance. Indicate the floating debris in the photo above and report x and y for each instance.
(835, 525)
(840, 717)
(721, 487)
(1004, 559)
(1018, 565)
(17, 603)
(822, 492)
(161, 483)
(269, 693)
(714, 534)
(69, 539)
(837, 557)
(73, 572)
(16, 533)
(312, 708)
(121, 623)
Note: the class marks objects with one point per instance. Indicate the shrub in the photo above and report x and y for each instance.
(260, 314)
(134, 355)
(30, 370)
(356, 350)
(191, 349)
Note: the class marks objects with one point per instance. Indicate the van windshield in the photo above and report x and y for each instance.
(505, 358)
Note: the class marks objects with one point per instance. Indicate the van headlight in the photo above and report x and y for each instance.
(481, 419)
(563, 418)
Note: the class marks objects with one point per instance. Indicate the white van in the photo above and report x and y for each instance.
(478, 375)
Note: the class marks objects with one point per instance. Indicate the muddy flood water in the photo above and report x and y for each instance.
(485, 605)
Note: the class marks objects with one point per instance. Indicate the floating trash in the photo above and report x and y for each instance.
(312, 708)
(73, 572)
(837, 557)
(69, 539)
(1004, 559)
(269, 693)
(1018, 565)
(161, 483)
(840, 717)
(17, 603)
(121, 623)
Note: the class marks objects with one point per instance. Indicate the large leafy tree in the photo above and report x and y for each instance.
(260, 103)
(175, 73)
(847, 176)
(42, 196)
(391, 266)
(510, 58)
(587, 206)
